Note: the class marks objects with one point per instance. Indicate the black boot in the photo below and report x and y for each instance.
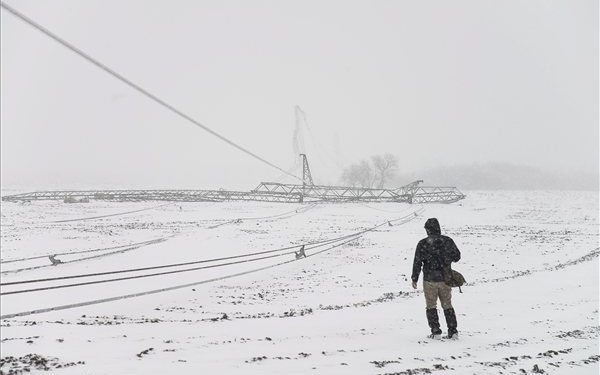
(451, 322)
(434, 323)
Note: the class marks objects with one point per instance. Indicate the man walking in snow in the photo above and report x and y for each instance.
(432, 253)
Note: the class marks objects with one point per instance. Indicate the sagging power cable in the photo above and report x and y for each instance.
(134, 86)
(149, 242)
(156, 273)
(314, 244)
(325, 242)
(123, 248)
(110, 215)
(155, 291)
(291, 213)
(85, 251)
(119, 251)
(382, 210)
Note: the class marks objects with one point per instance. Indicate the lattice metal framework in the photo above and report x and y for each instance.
(265, 192)
(150, 195)
(306, 176)
(411, 193)
(436, 194)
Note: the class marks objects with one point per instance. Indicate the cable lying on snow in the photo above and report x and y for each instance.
(346, 239)
(122, 248)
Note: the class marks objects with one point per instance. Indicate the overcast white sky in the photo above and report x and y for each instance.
(433, 82)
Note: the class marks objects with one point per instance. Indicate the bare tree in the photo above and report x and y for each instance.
(359, 174)
(366, 174)
(350, 175)
(385, 166)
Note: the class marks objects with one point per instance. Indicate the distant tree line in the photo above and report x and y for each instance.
(373, 173)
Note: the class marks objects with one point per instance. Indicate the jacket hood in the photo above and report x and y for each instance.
(432, 226)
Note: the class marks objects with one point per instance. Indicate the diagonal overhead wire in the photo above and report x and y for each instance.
(139, 89)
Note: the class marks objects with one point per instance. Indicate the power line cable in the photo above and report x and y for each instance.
(293, 212)
(314, 244)
(154, 274)
(318, 244)
(141, 90)
(382, 210)
(120, 251)
(148, 242)
(110, 215)
(323, 150)
(281, 216)
(86, 251)
(293, 169)
(134, 246)
(155, 291)
(139, 294)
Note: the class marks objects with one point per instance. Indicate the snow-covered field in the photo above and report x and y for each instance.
(531, 303)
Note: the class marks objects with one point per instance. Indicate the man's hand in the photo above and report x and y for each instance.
(414, 285)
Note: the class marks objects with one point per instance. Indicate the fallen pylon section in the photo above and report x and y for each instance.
(265, 192)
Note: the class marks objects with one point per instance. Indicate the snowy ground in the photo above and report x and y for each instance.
(531, 260)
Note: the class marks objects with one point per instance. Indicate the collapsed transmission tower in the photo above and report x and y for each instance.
(265, 192)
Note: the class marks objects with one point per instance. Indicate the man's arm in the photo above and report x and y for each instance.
(452, 251)
(417, 263)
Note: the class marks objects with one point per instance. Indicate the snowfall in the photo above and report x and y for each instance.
(530, 304)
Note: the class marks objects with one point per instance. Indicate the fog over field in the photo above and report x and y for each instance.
(438, 84)
(137, 235)
(502, 176)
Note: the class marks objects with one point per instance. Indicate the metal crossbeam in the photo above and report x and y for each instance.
(265, 192)
(436, 194)
(150, 195)
(411, 193)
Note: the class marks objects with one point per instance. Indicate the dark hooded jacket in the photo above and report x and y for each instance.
(433, 252)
